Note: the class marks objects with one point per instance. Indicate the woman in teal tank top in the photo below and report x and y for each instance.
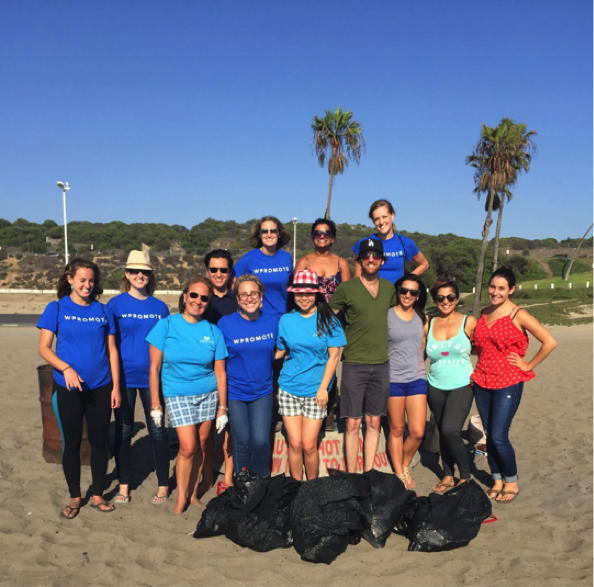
(449, 392)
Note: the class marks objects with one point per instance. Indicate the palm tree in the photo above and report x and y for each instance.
(500, 155)
(334, 135)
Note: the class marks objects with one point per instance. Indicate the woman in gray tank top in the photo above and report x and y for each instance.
(408, 383)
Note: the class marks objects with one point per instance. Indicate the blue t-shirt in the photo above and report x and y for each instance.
(251, 353)
(135, 319)
(274, 271)
(394, 250)
(81, 339)
(189, 352)
(307, 352)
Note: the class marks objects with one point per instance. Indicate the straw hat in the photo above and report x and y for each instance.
(305, 282)
(138, 260)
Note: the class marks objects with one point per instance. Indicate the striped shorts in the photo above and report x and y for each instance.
(294, 405)
(188, 410)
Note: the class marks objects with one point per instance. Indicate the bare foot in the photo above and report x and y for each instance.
(179, 508)
(195, 501)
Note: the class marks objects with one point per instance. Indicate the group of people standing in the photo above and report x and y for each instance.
(260, 337)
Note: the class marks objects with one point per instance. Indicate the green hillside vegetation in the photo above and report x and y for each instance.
(177, 251)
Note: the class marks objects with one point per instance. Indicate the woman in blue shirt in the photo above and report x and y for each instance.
(191, 354)
(268, 262)
(136, 311)
(86, 375)
(309, 338)
(250, 338)
(398, 249)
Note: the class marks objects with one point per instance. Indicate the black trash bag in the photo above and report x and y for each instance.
(448, 521)
(387, 503)
(234, 504)
(266, 526)
(326, 516)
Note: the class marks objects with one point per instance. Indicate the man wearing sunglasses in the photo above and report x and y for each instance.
(364, 302)
(219, 269)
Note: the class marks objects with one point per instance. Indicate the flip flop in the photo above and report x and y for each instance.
(159, 499)
(97, 506)
(70, 511)
(444, 487)
(492, 493)
(513, 493)
(121, 498)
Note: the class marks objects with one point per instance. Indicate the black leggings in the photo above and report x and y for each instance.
(451, 408)
(69, 407)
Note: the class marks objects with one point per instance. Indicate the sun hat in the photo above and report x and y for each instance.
(138, 260)
(304, 282)
(371, 244)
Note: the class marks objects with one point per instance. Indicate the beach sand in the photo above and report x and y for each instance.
(542, 538)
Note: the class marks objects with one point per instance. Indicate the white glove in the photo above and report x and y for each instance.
(221, 423)
(157, 416)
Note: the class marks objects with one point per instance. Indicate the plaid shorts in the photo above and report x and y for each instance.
(188, 410)
(293, 405)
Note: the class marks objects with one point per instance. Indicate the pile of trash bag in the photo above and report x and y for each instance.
(321, 517)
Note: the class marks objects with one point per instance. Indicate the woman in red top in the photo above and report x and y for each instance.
(501, 343)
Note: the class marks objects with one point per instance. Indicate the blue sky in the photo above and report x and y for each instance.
(175, 111)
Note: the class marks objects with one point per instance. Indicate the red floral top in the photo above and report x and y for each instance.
(493, 345)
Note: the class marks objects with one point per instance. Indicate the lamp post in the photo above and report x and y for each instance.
(64, 186)
(294, 242)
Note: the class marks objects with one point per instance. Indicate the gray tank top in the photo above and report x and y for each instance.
(405, 347)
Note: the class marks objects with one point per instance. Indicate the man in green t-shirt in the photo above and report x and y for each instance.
(364, 302)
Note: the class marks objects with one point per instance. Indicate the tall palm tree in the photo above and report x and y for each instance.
(500, 155)
(338, 138)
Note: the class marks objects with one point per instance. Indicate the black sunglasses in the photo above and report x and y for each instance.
(450, 298)
(194, 295)
(223, 270)
(264, 231)
(365, 256)
(321, 233)
(146, 272)
(413, 292)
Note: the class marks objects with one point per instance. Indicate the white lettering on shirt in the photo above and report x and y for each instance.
(267, 336)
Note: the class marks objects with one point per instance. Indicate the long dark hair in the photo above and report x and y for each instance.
(419, 305)
(325, 314)
(284, 236)
(64, 288)
(507, 274)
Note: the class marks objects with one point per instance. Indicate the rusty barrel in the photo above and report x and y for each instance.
(52, 439)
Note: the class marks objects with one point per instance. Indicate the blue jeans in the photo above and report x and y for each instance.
(497, 408)
(249, 425)
(124, 418)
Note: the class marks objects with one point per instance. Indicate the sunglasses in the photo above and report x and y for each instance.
(404, 290)
(195, 295)
(223, 270)
(322, 233)
(374, 256)
(244, 297)
(450, 298)
(264, 231)
(145, 272)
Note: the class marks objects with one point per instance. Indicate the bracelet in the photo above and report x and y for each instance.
(223, 408)
(64, 370)
(156, 408)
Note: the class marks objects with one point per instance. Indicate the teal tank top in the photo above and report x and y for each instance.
(450, 365)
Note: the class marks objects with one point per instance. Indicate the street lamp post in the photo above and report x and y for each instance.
(294, 242)
(64, 186)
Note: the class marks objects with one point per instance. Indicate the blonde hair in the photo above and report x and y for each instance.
(248, 277)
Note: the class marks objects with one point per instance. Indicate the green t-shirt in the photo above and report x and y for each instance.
(366, 320)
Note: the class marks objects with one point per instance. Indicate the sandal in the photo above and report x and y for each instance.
(514, 494)
(71, 512)
(100, 507)
(411, 482)
(492, 493)
(404, 480)
(121, 498)
(442, 487)
(159, 499)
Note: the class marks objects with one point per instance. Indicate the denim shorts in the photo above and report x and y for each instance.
(188, 410)
(294, 405)
(418, 387)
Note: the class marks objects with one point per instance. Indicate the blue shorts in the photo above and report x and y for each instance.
(418, 387)
(188, 410)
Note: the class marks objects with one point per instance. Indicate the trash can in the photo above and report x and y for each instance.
(52, 438)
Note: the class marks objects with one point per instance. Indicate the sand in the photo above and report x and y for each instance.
(543, 538)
